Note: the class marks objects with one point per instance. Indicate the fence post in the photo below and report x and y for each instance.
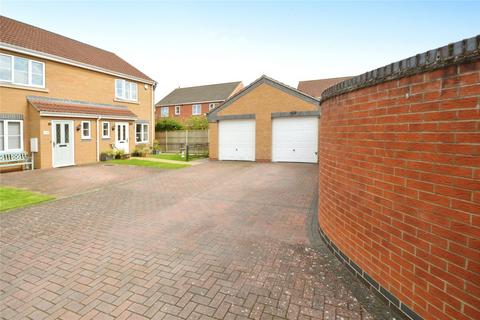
(186, 152)
(166, 141)
(186, 137)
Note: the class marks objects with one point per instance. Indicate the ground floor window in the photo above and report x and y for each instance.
(11, 135)
(141, 133)
(105, 130)
(86, 134)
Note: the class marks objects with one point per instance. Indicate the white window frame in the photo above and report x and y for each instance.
(29, 72)
(194, 106)
(89, 130)
(143, 130)
(5, 136)
(177, 113)
(133, 88)
(211, 106)
(103, 130)
(164, 114)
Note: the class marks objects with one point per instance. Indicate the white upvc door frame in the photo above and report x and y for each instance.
(71, 141)
(125, 143)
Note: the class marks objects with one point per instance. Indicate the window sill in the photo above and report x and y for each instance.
(141, 142)
(106, 138)
(86, 139)
(126, 101)
(15, 86)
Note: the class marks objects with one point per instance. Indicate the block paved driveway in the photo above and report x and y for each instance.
(214, 241)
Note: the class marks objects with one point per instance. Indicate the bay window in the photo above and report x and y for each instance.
(22, 71)
(126, 90)
(11, 135)
(141, 133)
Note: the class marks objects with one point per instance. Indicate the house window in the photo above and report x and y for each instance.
(164, 112)
(11, 135)
(126, 90)
(211, 106)
(105, 130)
(141, 133)
(22, 71)
(196, 109)
(86, 134)
(177, 110)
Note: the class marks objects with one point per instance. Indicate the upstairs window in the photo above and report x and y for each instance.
(126, 90)
(177, 110)
(164, 112)
(22, 71)
(196, 109)
(141, 133)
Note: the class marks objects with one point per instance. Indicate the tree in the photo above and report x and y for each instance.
(168, 125)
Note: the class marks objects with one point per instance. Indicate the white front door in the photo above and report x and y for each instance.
(295, 139)
(236, 140)
(62, 143)
(121, 136)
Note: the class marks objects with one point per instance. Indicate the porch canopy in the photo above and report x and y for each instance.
(79, 109)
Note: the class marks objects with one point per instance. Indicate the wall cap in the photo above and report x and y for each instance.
(451, 54)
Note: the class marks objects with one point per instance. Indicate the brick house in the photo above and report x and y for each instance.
(73, 99)
(315, 88)
(183, 103)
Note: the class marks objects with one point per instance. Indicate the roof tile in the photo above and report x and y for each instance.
(53, 105)
(27, 36)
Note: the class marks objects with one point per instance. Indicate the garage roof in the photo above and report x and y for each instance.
(264, 79)
(211, 92)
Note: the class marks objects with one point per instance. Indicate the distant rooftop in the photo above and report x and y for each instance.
(316, 87)
(211, 92)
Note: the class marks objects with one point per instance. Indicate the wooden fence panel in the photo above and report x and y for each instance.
(174, 141)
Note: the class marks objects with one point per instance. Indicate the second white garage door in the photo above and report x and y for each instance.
(236, 140)
(295, 139)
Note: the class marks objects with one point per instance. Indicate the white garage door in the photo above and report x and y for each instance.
(295, 139)
(236, 140)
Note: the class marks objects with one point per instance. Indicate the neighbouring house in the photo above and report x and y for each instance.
(71, 99)
(265, 121)
(183, 103)
(315, 88)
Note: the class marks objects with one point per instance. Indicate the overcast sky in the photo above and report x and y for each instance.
(195, 43)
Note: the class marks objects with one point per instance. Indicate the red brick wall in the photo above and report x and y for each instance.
(185, 111)
(399, 194)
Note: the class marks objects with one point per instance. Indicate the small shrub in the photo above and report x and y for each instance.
(141, 151)
(168, 125)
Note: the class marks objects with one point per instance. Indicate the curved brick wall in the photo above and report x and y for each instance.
(399, 177)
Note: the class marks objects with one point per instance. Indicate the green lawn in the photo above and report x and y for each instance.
(15, 198)
(152, 164)
(173, 156)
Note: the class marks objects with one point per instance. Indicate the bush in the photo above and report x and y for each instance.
(168, 125)
(141, 151)
(196, 123)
